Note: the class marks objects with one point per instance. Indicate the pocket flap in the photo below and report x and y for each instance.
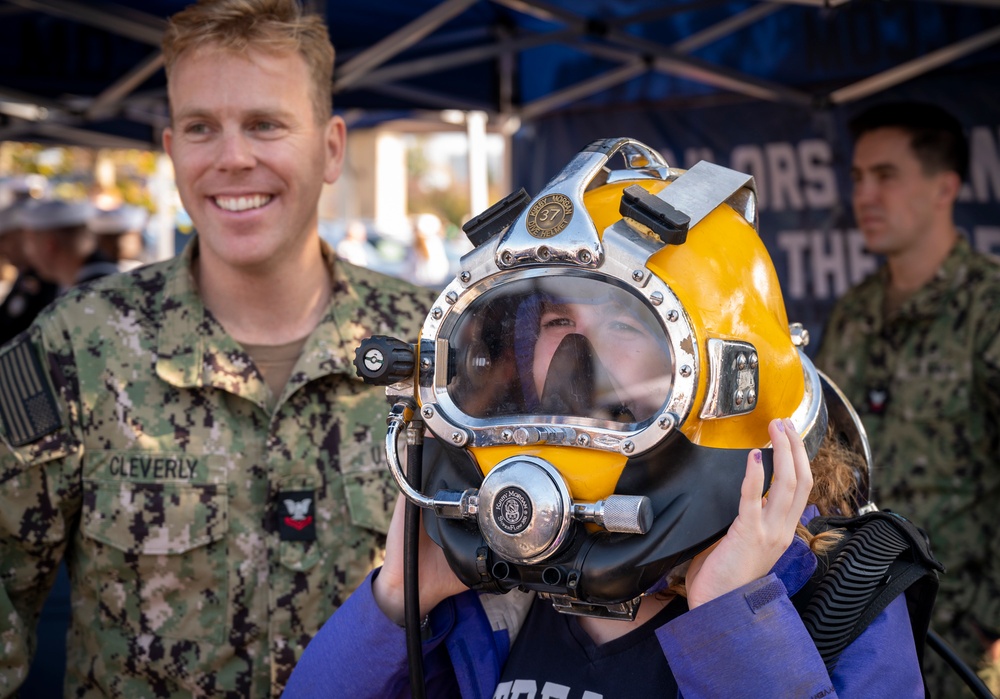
(154, 518)
(371, 497)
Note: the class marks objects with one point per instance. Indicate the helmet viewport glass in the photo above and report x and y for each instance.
(563, 346)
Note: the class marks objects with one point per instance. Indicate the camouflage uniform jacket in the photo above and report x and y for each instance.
(177, 498)
(926, 383)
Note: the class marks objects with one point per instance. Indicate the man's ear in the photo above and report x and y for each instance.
(949, 184)
(336, 144)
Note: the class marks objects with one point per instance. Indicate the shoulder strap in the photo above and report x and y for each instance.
(880, 555)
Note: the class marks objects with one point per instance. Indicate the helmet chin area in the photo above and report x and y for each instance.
(596, 377)
(528, 534)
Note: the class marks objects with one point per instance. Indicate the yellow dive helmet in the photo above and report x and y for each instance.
(596, 375)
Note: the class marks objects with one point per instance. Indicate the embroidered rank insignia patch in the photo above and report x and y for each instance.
(27, 404)
(878, 399)
(296, 515)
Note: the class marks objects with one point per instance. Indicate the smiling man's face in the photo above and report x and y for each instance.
(250, 155)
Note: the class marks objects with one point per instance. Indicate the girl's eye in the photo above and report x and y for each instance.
(557, 322)
(623, 327)
(624, 322)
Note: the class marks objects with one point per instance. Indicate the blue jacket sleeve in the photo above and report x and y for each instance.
(338, 660)
(360, 653)
(751, 643)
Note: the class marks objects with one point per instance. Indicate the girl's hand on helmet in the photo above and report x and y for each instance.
(765, 525)
(437, 581)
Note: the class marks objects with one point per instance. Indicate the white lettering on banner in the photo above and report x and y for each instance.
(823, 264)
(784, 177)
(815, 159)
(984, 165)
(828, 263)
(987, 239)
(789, 177)
(795, 177)
(794, 244)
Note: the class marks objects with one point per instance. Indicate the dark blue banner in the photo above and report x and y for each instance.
(800, 160)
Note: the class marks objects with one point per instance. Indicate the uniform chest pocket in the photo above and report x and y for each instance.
(933, 387)
(158, 556)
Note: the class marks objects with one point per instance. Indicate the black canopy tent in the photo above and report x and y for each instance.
(693, 78)
(90, 73)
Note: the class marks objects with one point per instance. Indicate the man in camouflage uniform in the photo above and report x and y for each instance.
(916, 348)
(190, 436)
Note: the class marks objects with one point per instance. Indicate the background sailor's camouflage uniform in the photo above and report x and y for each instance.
(936, 444)
(164, 485)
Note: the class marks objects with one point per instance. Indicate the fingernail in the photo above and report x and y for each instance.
(789, 424)
(757, 456)
(781, 425)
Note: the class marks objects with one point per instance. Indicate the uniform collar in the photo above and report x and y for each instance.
(926, 301)
(948, 278)
(193, 349)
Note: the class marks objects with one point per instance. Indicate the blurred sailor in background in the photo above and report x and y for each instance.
(28, 293)
(119, 235)
(59, 244)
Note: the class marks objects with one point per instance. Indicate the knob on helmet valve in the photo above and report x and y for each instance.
(382, 360)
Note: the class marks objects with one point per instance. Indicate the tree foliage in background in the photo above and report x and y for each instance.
(112, 176)
(448, 198)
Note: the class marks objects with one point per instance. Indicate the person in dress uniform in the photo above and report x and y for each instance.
(119, 235)
(29, 293)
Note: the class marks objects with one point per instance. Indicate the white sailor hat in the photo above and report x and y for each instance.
(55, 214)
(9, 217)
(22, 186)
(121, 220)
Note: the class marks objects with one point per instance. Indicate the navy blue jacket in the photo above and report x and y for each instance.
(748, 643)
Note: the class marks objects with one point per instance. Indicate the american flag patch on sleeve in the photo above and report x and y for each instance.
(27, 405)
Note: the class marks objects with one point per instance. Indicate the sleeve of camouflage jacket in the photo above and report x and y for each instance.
(39, 494)
(989, 379)
(990, 368)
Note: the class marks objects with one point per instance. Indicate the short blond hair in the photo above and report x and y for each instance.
(267, 25)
